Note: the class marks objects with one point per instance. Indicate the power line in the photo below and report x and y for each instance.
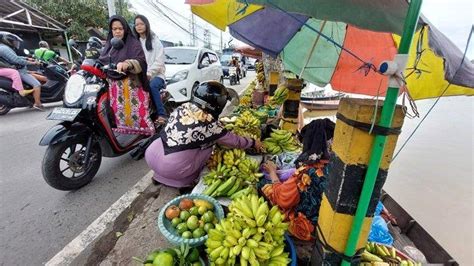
(157, 8)
(185, 18)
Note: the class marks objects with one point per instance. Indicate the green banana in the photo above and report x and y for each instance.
(212, 188)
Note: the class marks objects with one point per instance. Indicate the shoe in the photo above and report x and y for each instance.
(39, 107)
(23, 93)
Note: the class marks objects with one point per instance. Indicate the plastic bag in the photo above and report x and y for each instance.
(415, 254)
(285, 160)
(379, 231)
(283, 175)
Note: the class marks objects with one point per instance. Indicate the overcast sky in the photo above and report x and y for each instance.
(454, 18)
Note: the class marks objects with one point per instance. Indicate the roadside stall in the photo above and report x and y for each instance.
(323, 204)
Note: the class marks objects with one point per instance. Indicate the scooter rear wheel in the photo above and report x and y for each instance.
(4, 109)
(63, 164)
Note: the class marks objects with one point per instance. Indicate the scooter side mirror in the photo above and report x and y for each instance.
(116, 43)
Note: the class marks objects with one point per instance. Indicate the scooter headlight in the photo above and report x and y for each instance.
(74, 89)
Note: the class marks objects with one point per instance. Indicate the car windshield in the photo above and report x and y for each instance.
(225, 59)
(180, 56)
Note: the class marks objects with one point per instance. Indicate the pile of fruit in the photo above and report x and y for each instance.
(183, 256)
(246, 98)
(380, 255)
(280, 141)
(191, 218)
(245, 124)
(235, 174)
(252, 234)
(280, 95)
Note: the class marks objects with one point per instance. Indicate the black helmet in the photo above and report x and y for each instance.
(211, 96)
(10, 39)
(94, 42)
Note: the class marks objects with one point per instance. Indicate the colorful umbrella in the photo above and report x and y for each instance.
(385, 16)
(221, 13)
(347, 61)
(249, 51)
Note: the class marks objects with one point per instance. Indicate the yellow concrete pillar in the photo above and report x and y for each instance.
(346, 171)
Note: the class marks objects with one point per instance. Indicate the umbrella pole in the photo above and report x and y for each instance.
(379, 142)
(312, 49)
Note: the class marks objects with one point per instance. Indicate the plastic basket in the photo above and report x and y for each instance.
(165, 227)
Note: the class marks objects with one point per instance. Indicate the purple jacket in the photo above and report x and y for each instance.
(180, 169)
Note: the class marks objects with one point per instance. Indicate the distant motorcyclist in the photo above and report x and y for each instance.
(46, 54)
(93, 50)
(235, 63)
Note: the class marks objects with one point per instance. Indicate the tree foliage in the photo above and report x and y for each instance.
(79, 15)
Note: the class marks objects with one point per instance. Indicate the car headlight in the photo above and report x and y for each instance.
(181, 75)
(74, 89)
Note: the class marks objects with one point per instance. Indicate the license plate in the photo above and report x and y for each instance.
(64, 114)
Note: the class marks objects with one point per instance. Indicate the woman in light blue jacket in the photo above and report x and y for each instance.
(8, 41)
(155, 59)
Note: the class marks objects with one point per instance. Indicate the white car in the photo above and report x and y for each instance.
(187, 67)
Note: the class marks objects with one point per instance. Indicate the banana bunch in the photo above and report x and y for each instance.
(233, 157)
(215, 159)
(280, 141)
(280, 95)
(378, 255)
(245, 100)
(234, 172)
(246, 125)
(259, 67)
(249, 171)
(252, 234)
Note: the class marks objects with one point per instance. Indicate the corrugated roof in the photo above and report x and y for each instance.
(17, 15)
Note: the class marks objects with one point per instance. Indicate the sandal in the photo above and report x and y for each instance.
(39, 107)
(160, 121)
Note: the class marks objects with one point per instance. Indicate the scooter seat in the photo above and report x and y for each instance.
(5, 83)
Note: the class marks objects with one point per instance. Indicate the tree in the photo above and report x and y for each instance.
(79, 15)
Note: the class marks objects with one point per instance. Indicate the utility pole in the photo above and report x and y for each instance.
(193, 31)
(111, 7)
(207, 38)
(220, 44)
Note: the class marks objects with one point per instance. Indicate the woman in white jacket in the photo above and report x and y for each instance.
(155, 59)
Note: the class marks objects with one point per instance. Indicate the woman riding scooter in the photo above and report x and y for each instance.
(8, 42)
(129, 96)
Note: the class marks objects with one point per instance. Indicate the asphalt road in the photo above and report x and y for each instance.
(37, 221)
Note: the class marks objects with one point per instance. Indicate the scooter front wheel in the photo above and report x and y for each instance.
(63, 164)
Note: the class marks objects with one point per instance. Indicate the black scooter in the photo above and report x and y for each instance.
(77, 144)
(51, 91)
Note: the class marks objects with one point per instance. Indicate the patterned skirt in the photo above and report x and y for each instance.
(130, 104)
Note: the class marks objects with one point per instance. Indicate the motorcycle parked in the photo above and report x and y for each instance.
(77, 144)
(51, 91)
